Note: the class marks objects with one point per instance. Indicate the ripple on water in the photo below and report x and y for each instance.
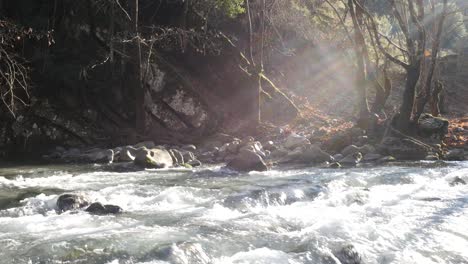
(404, 213)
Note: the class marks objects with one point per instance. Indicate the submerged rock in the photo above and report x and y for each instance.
(457, 181)
(100, 209)
(348, 255)
(67, 202)
(247, 160)
(153, 158)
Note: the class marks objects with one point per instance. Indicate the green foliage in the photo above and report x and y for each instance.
(231, 8)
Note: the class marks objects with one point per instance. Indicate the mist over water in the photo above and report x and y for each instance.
(402, 213)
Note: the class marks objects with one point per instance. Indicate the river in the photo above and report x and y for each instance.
(400, 213)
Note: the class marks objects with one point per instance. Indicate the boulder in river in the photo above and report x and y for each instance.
(353, 149)
(146, 144)
(352, 159)
(455, 154)
(369, 157)
(67, 202)
(100, 209)
(153, 158)
(247, 160)
(348, 255)
(404, 148)
(294, 140)
(457, 181)
(307, 154)
(127, 154)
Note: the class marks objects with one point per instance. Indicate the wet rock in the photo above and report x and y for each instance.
(457, 181)
(455, 155)
(127, 154)
(247, 160)
(153, 158)
(435, 127)
(217, 140)
(270, 146)
(310, 154)
(255, 147)
(189, 148)
(335, 165)
(352, 159)
(337, 142)
(233, 147)
(369, 157)
(362, 140)
(100, 209)
(338, 156)
(403, 148)
(188, 156)
(295, 140)
(279, 153)
(67, 202)
(146, 144)
(366, 149)
(348, 255)
(207, 156)
(177, 156)
(351, 149)
(247, 140)
(195, 163)
(99, 156)
(432, 156)
(387, 159)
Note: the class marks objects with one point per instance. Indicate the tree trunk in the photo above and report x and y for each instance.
(382, 94)
(426, 93)
(412, 76)
(435, 100)
(140, 114)
(362, 60)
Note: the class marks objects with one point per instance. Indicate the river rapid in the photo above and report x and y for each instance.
(400, 213)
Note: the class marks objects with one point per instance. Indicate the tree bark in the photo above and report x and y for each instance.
(404, 121)
(140, 113)
(362, 60)
(426, 92)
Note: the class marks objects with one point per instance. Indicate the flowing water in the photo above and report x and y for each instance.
(401, 213)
